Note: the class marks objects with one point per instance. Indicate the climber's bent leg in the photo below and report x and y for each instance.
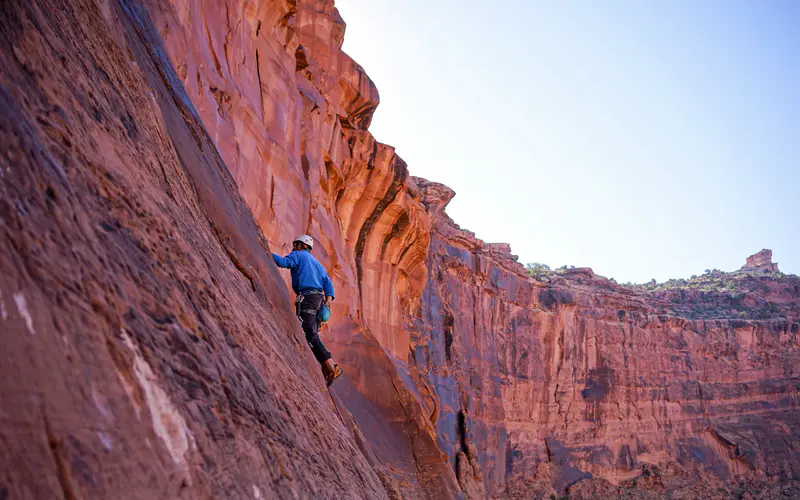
(308, 315)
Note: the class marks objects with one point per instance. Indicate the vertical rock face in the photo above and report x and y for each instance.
(578, 378)
(147, 350)
(152, 350)
(289, 111)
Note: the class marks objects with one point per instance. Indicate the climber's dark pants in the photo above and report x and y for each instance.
(307, 312)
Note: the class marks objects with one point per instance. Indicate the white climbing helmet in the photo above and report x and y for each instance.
(306, 239)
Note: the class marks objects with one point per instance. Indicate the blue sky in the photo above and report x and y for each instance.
(643, 139)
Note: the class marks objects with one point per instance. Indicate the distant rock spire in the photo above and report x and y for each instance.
(762, 261)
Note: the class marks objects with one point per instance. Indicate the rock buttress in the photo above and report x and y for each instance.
(147, 348)
(292, 126)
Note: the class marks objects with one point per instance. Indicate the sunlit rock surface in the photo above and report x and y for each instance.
(147, 347)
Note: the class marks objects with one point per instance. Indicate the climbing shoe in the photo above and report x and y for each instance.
(333, 375)
(331, 371)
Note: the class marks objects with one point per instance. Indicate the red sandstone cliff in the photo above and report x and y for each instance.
(147, 347)
(464, 375)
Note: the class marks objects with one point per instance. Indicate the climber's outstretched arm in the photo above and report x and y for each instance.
(287, 262)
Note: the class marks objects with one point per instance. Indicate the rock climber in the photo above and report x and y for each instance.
(314, 289)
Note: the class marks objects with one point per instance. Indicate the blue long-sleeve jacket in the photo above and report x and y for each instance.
(307, 272)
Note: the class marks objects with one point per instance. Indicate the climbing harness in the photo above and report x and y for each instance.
(299, 300)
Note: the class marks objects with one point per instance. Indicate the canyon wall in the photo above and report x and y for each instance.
(463, 375)
(460, 367)
(576, 377)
